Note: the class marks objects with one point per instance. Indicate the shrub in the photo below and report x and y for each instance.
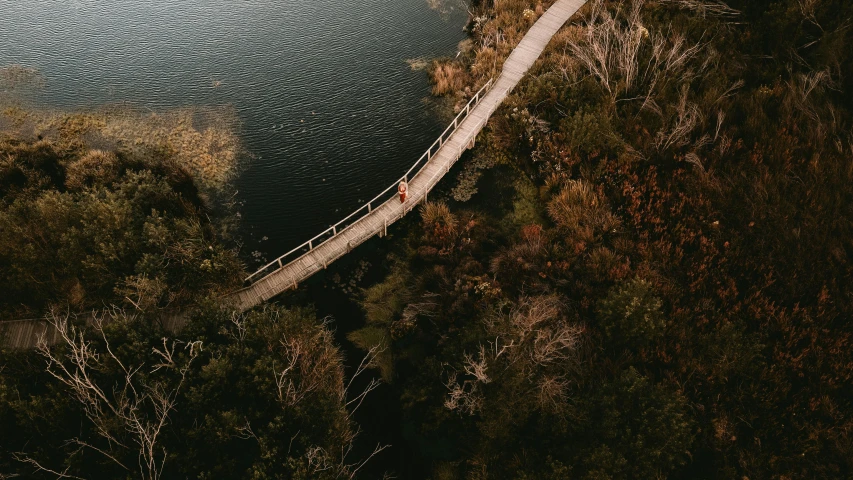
(447, 78)
(590, 134)
(631, 313)
(579, 210)
(95, 167)
(642, 430)
(440, 225)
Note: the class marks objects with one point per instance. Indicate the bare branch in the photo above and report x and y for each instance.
(368, 361)
(687, 119)
(477, 368)
(81, 443)
(125, 404)
(465, 397)
(705, 7)
(245, 432)
(376, 450)
(40, 468)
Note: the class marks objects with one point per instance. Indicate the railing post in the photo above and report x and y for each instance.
(456, 122)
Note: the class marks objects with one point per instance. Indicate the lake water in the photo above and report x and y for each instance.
(331, 111)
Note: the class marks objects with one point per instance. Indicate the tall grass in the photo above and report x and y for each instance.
(204, 142)
(447, 78)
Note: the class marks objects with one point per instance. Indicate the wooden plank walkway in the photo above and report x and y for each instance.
(25, 333)
(377, 219)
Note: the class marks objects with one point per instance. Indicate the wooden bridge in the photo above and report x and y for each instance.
(374, 217)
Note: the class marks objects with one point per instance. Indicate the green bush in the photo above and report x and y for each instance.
(82, 230)
(631, 313)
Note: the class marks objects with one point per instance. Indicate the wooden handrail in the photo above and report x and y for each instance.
(311, 244)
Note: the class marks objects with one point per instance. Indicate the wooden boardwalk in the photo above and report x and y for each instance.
(375, 217)
(25, 333)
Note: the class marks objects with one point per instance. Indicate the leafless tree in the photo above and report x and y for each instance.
(464, 397)
(312, 365)
(292, 390)
(554, 343)
(477, 368)
(551, 391)
(609, 50)
(238, 319)
(139, 407)
(534, 342)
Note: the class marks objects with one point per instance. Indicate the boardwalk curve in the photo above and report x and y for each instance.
(374, 217)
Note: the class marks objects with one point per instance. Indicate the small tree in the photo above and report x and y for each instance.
(643, 430)
(631, 313)
(581, 212)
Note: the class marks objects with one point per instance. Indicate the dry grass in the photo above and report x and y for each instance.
(716, 9)
(203, 141)
(487, 63)
(95, 167)
(611, 48)
(446, 7)
(447, 78)
(559, 56)
(579, 209)
(418, 64)
(437, 214)
(685, 122)
(496, 31)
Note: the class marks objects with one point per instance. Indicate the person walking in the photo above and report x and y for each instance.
(403, 189)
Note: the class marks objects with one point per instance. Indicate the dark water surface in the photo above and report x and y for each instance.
(330, 109)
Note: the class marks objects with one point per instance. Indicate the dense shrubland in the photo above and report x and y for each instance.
(645, 274)
(670, 298)
(127, 216)
(113, 209)
(258, 395)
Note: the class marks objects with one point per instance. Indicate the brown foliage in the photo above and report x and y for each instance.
(447, 78)
(96, 167)
(581, 211)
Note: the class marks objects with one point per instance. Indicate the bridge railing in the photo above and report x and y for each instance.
(336, 229)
